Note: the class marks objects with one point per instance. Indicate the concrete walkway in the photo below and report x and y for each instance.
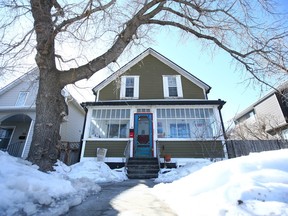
(131, 197)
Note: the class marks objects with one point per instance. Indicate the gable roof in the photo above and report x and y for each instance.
(30, 76)
(161, 58)
(250, 108)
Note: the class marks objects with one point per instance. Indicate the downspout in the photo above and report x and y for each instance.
(221, 119)
(83, 131)
(223, 129)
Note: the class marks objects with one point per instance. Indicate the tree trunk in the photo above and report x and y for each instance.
(50, 105)
(49, 113)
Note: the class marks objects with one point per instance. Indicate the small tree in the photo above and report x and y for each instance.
(250, 31)
(264, 127)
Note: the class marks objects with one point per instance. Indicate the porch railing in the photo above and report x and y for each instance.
(15, 149)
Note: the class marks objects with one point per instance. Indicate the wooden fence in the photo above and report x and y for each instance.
(237, 148)
(69, 152)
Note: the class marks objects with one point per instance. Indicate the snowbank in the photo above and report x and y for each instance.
(253, 185)
(250, 185)
(27, 191)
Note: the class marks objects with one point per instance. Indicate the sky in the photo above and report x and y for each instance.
(250, 185)
(214, 68)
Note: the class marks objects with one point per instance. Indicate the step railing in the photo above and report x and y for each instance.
(158, 153)
(127, 152)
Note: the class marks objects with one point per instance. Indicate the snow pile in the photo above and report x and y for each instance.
(27, 191)
(252, 185)
(170, 175)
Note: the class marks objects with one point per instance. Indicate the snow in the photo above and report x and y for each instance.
(252, 185)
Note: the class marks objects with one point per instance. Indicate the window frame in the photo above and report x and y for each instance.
(178, 86)
(104, 122)
(124, 87)
(200, 122)
(22, 98)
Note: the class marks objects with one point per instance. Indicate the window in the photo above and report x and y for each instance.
(187, 123)
(5, 137)
(129, 87)
(21, 99)
(110, 123)
(172, 86)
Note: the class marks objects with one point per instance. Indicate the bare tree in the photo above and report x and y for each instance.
(264, 127)
(251, 31)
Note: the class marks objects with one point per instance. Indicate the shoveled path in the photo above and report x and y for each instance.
(131, 197)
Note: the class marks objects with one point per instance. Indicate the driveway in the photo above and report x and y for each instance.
(131, 197)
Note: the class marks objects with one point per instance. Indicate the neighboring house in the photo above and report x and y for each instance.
(17, 115)
(267, 117)
(149, 108)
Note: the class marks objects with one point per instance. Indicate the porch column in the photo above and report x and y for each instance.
(28, 141)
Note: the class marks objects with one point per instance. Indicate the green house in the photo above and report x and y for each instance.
(150, 108)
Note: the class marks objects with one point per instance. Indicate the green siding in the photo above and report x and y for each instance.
(150, 70)
(192, 149)
(114, 148)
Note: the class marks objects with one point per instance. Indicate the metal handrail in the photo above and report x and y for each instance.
(158, 153)
(127, 152)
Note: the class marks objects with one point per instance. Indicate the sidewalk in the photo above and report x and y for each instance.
(131, 197)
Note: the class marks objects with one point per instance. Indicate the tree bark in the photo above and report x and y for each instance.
(50, 104)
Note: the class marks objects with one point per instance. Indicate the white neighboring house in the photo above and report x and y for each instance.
(17, 115)
(271, 111)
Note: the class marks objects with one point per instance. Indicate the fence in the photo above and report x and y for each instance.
(69, 152)
(237, 148)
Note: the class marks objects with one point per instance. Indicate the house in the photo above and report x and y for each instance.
(268, 115)
(17, 115)
(151, 108)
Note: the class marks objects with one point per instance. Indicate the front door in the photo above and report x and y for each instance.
(143, 135)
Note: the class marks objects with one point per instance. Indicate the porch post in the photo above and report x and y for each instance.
(28, 141)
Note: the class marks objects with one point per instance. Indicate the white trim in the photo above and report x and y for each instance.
(28, 140)
(178, 86)
(135, 87)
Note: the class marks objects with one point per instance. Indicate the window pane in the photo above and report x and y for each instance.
(103, 114)
(172, 91)
(187, 111)
(129, 82)
(21, 99)
(172, 81)
(129, 92)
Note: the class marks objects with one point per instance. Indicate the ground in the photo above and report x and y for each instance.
(252, 185)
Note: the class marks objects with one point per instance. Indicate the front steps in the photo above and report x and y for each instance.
(142, 168)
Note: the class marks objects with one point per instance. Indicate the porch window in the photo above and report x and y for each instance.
(21, 98)
(197, 123)
(172, 86)
(110, 123)
(129, 87)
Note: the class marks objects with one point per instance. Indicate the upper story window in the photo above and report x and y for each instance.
(172, 86)
(22, 97)
(129, 87)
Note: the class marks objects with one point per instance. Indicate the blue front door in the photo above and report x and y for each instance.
(143, 135)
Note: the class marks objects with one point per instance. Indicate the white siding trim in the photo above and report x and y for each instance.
(165, 86)
(28, 141)
(179, 86)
